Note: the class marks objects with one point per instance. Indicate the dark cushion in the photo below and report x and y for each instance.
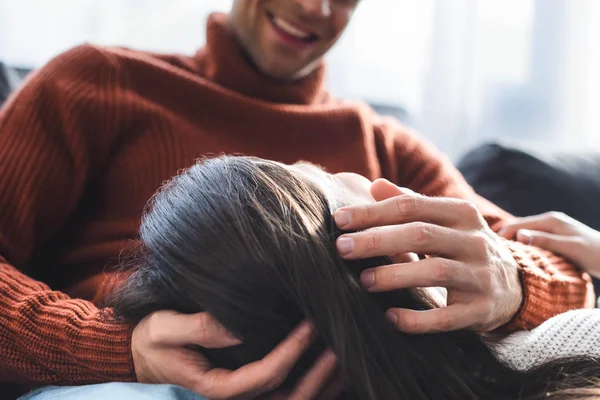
(390, 110)
(5, 88)
(528, 183)
(10, 79)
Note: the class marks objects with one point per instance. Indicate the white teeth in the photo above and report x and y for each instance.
(290, 29)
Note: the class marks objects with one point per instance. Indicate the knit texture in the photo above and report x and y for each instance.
(571, 334)
(92, 136)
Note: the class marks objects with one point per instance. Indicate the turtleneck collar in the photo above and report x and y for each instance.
(223, 61)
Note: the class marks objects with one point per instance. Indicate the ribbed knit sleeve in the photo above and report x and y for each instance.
(550, 284)
(55, 135)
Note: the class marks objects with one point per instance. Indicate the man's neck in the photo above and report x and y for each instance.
(225, 60)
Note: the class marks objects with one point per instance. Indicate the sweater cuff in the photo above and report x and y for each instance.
(527, 317)
(48, 338)
(550, 286)
(103, 347)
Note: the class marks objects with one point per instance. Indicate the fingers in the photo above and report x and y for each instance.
(320, 382)
(261, 376)
(437, 320)
(382, 189)
(549, 222)
(430, 272)
(415, 237)
(313, 382)
(184, 329)
(334, 389)
(409, 208)
(563, 245)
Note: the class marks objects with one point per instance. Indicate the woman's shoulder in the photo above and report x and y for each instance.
(573, 333)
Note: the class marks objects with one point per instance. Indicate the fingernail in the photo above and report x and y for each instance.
(345, 245)
(232, 339)
(524, 236)
(392, 317)
(305, 328)
(367, 278)
(342, 218)
(329, 355)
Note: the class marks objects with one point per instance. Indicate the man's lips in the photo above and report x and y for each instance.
(291, 30)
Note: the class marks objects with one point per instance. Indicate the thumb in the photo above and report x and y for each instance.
(382, 189)
(556, 243)
(201, 328)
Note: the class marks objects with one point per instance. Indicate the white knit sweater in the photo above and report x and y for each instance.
(574, 333)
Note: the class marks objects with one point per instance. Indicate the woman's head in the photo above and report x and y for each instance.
(253, 243)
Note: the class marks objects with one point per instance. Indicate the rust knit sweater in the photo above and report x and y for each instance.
(93, 134)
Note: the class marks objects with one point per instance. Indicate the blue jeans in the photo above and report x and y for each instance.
(113, 391)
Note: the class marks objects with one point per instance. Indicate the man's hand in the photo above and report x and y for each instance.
(467, 258)
(560, 234)
(160, 354)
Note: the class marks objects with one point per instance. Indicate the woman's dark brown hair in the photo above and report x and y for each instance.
(254, 245)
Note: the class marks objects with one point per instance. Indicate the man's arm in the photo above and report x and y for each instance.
(550, 284)
(50, 147)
